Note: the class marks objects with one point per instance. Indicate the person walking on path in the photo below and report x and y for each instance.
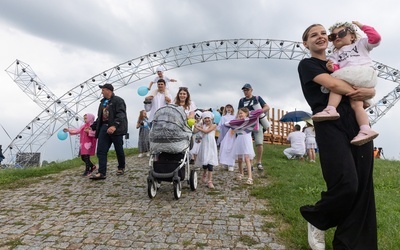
(228, 114)
(207, 156)
(350, 62)
(251, 102)
(87, 142)
(144, 129)
(182, 99)
(243, 150)
(348, 204)
(111, 125)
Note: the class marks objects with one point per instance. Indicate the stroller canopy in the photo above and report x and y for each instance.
(169, 131)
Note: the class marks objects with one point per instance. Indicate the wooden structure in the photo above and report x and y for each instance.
(278, 132)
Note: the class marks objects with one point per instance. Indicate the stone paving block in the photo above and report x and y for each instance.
(68, 211)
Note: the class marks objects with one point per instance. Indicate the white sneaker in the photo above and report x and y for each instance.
(148, 154)
(140, 155)
(230, 168)
(316, 238)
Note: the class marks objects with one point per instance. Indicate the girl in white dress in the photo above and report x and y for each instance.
(226, 156)
(243, 148)
(227, 115)
(207, 156)
(197, 135)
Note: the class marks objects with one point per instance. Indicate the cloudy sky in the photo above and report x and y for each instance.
(68, 42)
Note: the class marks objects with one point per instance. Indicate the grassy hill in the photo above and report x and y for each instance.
(294, 183)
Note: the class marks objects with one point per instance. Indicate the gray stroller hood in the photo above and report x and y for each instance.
(169, 131)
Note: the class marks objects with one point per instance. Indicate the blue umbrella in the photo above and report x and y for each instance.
(295, 116)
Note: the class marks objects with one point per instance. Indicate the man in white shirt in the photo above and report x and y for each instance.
(297, 143)
(159, 100)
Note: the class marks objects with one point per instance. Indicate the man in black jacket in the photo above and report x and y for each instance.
(111, 125)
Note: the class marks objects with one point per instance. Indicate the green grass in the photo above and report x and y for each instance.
(295, 183)
(292, 183)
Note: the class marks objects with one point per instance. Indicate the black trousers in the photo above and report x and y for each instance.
(349, 202)
(104, 142)
(87, 161)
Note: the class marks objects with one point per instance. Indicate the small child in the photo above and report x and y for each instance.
(87, 142)
(208, 153)
(227, 115)
(159, 76)
(243, 146)
(350, 62)
(144, 129)
(196, 137)
(226, 157)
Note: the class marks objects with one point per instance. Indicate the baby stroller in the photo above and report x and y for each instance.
(170, 142)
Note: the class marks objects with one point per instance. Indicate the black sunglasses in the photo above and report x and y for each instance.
(332, 37)
(183, 88)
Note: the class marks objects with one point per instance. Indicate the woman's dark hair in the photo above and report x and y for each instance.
(187, 101)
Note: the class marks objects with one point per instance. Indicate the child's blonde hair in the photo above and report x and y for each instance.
(350, 28)
(245, 110)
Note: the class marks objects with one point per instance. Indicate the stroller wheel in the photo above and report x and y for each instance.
(151, 189)
(193, 180)
(177, 189)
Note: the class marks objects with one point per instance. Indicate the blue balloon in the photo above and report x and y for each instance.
(143, 90)
(62, 135)
(217, 116)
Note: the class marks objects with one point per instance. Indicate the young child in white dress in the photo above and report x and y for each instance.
(207, 156)
(226, 138)
(227, 115)
(226, 157)
(243, 148)
(197, 135)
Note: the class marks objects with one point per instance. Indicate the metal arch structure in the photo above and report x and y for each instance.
(62, 110)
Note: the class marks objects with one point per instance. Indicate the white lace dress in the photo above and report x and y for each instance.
(243, 145)
(208, 153)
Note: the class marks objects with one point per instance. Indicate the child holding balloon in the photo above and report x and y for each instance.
(87, 142)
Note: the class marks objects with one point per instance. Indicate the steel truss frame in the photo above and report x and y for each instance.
(58, 111)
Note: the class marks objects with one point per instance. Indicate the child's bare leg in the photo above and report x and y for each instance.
(366, 134)
(204, 178)
(361, 115)
(248, 165)
(241, 172)
(329, 113)
(210, 176)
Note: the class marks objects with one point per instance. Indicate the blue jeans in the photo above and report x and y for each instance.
(103, 146)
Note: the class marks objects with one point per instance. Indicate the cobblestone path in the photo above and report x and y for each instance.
(68, 211)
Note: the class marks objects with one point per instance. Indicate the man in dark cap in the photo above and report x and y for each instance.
(255, 102)
(111, 125)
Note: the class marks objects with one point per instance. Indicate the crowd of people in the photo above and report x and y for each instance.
(233, 143)
(343, 137)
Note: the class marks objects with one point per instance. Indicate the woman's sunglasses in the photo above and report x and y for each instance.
(332, 37)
